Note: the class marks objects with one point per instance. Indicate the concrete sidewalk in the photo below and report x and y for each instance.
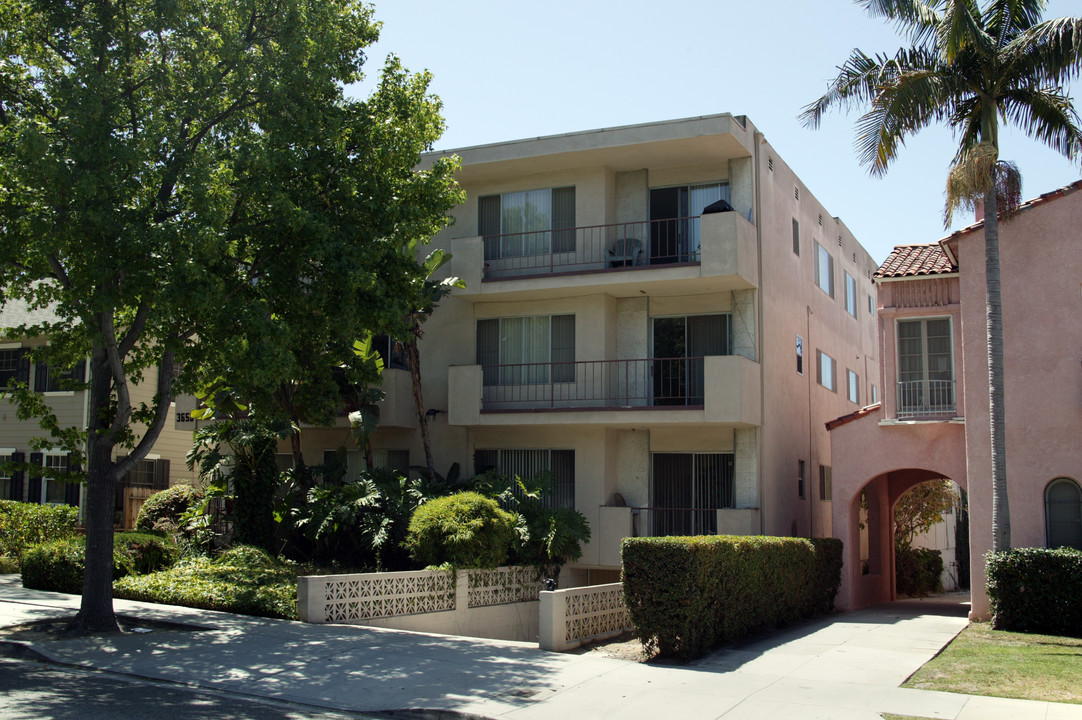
(848, 666)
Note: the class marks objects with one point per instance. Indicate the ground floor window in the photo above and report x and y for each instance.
(528, 463)
(687, 489)
(1063, 513)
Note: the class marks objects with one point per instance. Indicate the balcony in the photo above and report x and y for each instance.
(599, 248)
(616, 523)
(614, 258)
(714, 389)
(926, 400)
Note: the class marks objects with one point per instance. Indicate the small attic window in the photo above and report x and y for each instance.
(770, 163)
(854, 257)
(796, 193)
(820, 219)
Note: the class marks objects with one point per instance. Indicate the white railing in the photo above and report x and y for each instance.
(574, 616)
(371, 596)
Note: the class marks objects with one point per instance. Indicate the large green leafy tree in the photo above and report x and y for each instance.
(971, 65)
(186, 184)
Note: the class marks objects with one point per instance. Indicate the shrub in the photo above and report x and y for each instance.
(688, 594)
(1036, 590)
(145, 552)
(828, 571)
(25, 524)
(465, 530)
(243, 580)
(545, 537)
(55, 566)
(58, 566)
(162, 510)
(917, 571)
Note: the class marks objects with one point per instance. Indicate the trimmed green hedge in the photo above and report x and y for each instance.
(1036, 590)
(918, 571)
(23, 525)
(828, 571)
(241, 580)
(58, 566)
(465, 530)
(686, 595)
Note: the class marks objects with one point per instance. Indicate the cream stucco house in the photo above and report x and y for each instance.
(933, 420)
(663, 315)
(164, 466)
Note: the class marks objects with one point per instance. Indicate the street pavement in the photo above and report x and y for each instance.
(33, 690)
(847, 667)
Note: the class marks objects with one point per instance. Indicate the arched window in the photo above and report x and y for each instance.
(1063, 513)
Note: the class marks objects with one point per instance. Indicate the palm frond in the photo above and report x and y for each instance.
(1048, 116)
(901, 108)
(966, 123)
(1004, 19)
(962, 28)
(1046, 54)
(915, 19)
(856, 83)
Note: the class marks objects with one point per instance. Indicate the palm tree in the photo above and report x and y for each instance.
(430, 292)
(969, 66)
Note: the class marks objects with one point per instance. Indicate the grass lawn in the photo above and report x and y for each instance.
(982, 661)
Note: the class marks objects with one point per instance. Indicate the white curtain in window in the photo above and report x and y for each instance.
(522, 341)
(526, 218)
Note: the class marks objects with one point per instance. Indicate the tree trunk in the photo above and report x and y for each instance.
(96, 610)
(422, 419)
(301, 473)
(1001, 517)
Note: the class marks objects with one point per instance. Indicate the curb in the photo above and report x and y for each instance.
(26, 651)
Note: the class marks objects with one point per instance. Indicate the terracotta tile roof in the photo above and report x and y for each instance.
(855, 415)
(915, 261)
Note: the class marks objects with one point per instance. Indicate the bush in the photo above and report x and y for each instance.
(465, 530)
(917, 571)
(163, 509)
(243, 580)
(546, 537)
(55, 566)
(145, 552)
(1036, 590)
(687, 595)
(828, 571)
(23, 525)
(58, 566)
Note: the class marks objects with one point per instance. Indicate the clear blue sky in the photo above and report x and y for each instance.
(507, 71)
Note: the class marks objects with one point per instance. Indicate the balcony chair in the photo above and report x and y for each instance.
(625, 252)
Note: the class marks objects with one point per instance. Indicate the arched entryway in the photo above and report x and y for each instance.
(870, 536)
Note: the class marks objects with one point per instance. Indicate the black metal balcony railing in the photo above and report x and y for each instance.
(594, 384)
(926, 399)
(593, 248)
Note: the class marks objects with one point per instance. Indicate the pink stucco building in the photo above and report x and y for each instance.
(933, 418)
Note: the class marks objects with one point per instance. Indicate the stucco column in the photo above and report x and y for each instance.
(743, 319)
(746, 467)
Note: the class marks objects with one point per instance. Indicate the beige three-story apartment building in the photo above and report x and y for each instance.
(662, 315)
